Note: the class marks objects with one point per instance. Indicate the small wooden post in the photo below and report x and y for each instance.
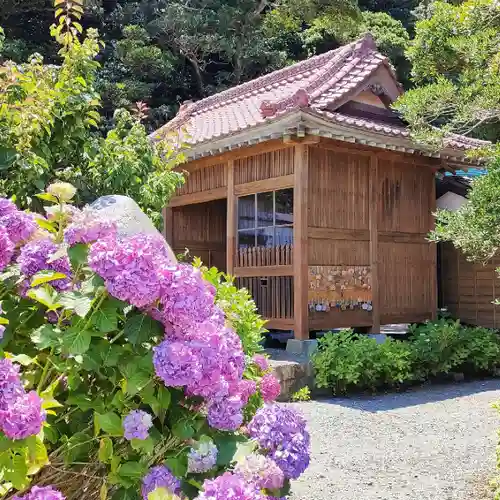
(168, 225)
(300, 242)
(231, 219)
(373, 221)
(433, 263)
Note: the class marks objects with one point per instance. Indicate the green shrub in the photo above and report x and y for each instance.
(346, 361)
(303, 394)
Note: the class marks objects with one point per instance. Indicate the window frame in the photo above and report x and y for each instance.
(256, 227)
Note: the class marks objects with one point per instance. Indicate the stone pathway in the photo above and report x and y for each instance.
(433, 443)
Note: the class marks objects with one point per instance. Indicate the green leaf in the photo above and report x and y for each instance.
(136, 382)
(45, 224)
(18, 474)
(162, 494)
(183, 430)
(144, 445)
(46, 336)
(38, 454)
(105, 318)
(77, 447)
(92, 285)
(23, 359)
(76, 301)
(51, 403)
(141, 328)
(178, 465)
(46, 296)
(109, 422)
(103, 492)
(47, 197)
(133, 470)
(76, 341)
(126, 494)
(46, 277)
(78, 255)
(105, 450)
(7, 157)
(228, 447)
(164, 397)
(4, 321)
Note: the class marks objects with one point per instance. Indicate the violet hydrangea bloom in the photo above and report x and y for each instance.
(6, 207)
(229, 486)
(129, 267)
(10, 383)
(262, 471)
(159, 477)
(202, 457)
(88, 226)
(41, 493)
(261, 362)
(137, 424)
(226, 415)
(19, 225)
(6, 248)
(24, 417)
(269, 387)
(36, 256)
(283, 433)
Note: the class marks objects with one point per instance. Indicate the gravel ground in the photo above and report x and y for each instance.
(435, 443)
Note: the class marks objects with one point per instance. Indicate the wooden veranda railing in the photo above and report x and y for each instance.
(280, 255)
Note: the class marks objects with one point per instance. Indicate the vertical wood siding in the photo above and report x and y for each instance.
(264, 166)
(204, 179)
(468, 289)
(201, 228)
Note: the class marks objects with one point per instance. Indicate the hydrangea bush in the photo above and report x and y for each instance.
(125, 370)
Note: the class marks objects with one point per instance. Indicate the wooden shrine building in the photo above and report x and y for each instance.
(306, 186)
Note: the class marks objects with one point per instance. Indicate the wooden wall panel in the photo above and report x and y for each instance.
(201, 229)
(264, 166)
(338, 189)
(405, 192)
(204, 179)
(468, 289)
(405, 273)
(324, 252)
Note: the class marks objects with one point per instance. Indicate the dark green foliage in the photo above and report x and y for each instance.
(163, 52)
(346, 361)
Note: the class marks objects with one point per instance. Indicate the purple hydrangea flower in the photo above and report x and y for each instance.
(88, 226)
(261, 362)
(262, 471)
(41, 493)
(6, 248)
(24, 417)
(244, 389)
(6, 207)
(159, 477)
(269, 387)
(10, 383)
(202, 457)
(226, 415)
(19, 225)
(186, 298)
(2, 332)
(137, 424)
(283, 433)
(229, 486)
(36, 256)
(130, 267)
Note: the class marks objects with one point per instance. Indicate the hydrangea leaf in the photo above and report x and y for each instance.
(228, 447)
(105, 450)
(142, 328)
(183, 430)
(178, 465)
(109, 422)
(133, 470)
(46, 336)
(145, 445)
(78, 255)
(76, 341)
(105, 319)
(77, 447)
(46, 277)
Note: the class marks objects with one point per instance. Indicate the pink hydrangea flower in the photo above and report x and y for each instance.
(24, 417)
(6, 248)
(269, 387)
(262, 471)
(261, 362)
(230, 486)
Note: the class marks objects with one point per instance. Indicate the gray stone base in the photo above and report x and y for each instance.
(292, 375)
(301, 347)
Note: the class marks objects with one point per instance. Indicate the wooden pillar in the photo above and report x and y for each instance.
(168, 225)
(232, 219)
(300, 242)
(373, 205)
(433, 251)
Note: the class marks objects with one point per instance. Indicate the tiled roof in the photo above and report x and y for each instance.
(318, 85)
